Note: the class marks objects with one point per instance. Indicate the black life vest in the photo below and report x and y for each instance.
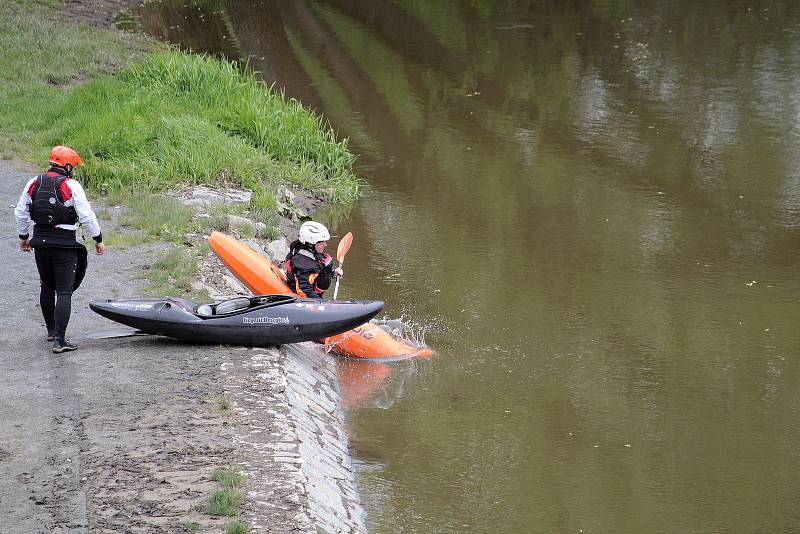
(319, 280)
(47, 203)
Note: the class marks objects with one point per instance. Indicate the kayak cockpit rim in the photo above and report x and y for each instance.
(239, 305)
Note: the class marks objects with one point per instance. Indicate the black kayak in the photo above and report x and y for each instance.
(263, 320)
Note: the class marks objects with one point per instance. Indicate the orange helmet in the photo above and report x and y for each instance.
(61, 155)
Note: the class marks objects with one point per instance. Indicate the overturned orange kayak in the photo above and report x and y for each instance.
(263, 277)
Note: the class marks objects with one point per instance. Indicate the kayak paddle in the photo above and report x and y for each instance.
(341, 250)
(115, 332)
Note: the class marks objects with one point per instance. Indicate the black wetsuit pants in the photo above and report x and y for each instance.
(57, 274)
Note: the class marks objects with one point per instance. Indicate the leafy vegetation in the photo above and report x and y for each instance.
(158, 217)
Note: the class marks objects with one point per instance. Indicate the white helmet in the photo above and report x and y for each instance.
(313, 232)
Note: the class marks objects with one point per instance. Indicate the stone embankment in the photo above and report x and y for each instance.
(290, 438)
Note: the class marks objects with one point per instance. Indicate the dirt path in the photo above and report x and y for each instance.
(121, 435)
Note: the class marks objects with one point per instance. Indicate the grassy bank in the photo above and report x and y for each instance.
(145, 117)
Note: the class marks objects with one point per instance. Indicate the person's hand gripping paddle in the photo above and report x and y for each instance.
(341, 250)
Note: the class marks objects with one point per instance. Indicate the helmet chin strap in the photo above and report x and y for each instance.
(67, 167)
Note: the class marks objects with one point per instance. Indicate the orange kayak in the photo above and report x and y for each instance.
(263, 277)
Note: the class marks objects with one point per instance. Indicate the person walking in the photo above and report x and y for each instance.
(57, 205)
(309, 269)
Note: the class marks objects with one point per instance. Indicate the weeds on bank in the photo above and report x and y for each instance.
(263, 204)
(171, 275)
(224, 406)
(190, 526)
(158, 217)
(237, 528)
(227, 501)
(227, 477)
(178, 117)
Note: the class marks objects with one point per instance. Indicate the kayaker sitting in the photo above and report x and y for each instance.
(309, 269)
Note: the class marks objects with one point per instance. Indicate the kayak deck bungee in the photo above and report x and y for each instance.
(264, 320)
(261, 276)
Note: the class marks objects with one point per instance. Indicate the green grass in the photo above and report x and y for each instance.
(37, 69)
(247, 232)
(190, 526)
(270, 233)
(237, 528)
(177, 117)
(229, 478)
(228, 500)
(263, 204)
(103, 214)
(123, 240)
(224, 407)
(225, 502)
(158, 217)
(171, 275)
(147, 120)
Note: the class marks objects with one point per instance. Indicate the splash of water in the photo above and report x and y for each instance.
(405, 330)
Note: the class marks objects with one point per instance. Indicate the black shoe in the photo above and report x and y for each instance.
(51, 335)
(62, 345)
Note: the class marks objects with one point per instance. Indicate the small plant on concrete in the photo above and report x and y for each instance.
(224, 406)
(227, 501)
(229, 478)
(190, 526)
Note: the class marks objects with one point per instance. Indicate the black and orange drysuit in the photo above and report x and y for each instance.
(308, 273)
